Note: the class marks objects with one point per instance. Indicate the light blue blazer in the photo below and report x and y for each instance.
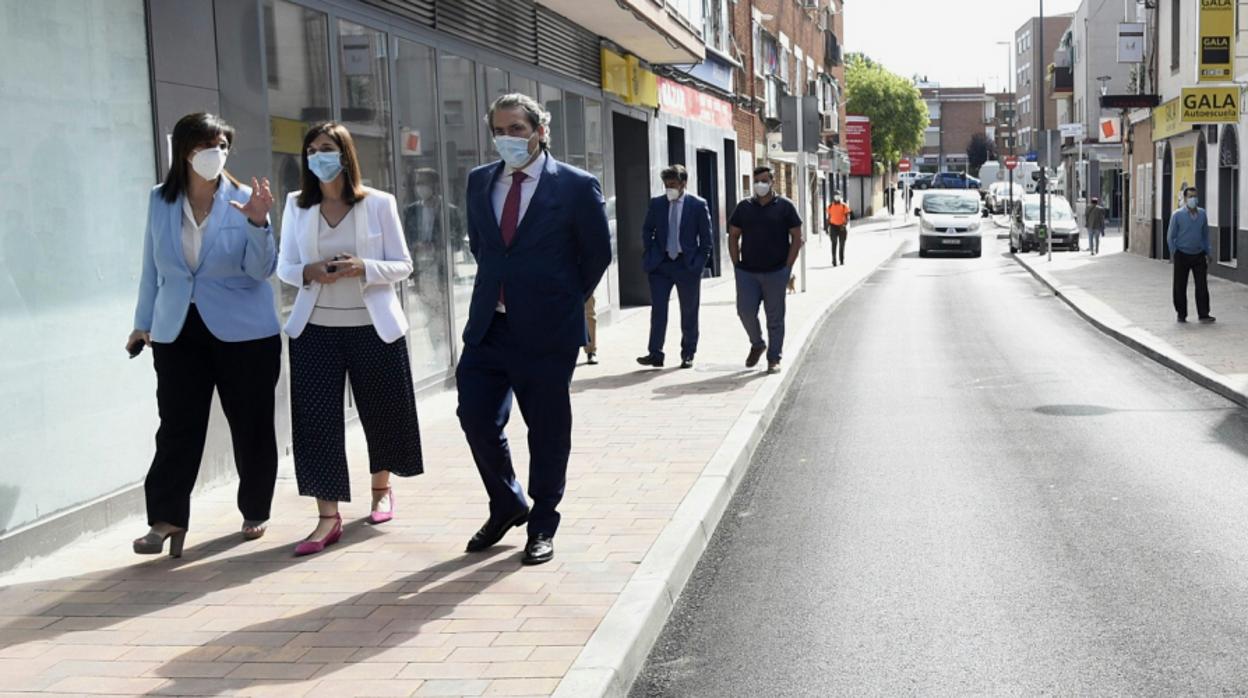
(230, 288)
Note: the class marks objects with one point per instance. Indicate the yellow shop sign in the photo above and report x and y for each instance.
(1210, 105)
(1217, 34)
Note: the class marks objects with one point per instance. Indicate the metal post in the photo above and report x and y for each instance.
(803, 199)
(1044, 174)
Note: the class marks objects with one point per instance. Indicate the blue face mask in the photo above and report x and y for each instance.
(513, 150)
(1192, 202)
(326, 166)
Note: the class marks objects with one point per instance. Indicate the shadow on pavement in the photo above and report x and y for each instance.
(77, 602)
(719, 384)
(620, 380)
(396, 613)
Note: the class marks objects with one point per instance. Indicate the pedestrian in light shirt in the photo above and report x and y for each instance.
(1188, 237)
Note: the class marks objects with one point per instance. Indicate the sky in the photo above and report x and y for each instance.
(952, 42)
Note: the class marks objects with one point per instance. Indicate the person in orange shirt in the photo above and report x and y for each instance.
(838, 226)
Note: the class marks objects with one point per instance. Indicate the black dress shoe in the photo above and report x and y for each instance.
(1208, 319)
(1182, 318)
(686, 363)
(591, 359)
(756, 353)
(493, 531)
(540, 548)
(649, 360)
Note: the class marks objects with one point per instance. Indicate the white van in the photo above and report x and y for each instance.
(1025, 173)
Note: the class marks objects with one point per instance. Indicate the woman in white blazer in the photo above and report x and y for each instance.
(342, 246)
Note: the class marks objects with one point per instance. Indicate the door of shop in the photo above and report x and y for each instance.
(708, 188)
(631, 142)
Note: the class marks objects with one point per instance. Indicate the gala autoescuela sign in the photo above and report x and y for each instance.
(1217, 31)
(858, 143)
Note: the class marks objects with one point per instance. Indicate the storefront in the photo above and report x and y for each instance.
(95, 86)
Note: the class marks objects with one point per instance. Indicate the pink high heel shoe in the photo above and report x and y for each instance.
(311, 547)
(380, 517)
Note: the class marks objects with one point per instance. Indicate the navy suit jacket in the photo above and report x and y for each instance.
(695, 233)
(561, 249)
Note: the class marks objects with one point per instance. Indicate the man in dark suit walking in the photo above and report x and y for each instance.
(676, 237)
(538, 230)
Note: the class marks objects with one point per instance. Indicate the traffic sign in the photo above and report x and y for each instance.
(903, 166)
(1011, 161)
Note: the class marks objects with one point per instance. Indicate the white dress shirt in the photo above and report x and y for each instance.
(527, 188)
(192, 235)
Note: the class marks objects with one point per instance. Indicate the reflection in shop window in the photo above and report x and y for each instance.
(552, 99)
(297, 46)
(493, 86)
(366, 100)
(574, 117)
(427, 210)
(457, 94)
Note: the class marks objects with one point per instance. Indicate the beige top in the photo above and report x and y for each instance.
(340, 304)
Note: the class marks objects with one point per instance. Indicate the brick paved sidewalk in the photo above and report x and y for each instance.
(1128, 296)
(399, 609)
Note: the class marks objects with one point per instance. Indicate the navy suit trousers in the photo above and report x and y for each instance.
(489, 374)
(688, 283)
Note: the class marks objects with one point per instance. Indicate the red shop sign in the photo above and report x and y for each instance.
(681, 100)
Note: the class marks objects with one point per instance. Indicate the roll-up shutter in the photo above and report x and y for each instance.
(419, 11)
(507, 26)
(518, 28)
(566, 47)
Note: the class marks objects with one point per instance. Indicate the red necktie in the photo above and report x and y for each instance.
(511, 215)
(511, 208)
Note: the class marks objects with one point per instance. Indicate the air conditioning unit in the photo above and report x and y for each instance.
(811, 4)
(829, 122)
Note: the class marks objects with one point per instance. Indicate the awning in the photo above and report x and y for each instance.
(641, 27)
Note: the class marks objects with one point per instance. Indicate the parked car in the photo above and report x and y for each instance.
(922, 180)
(949, 222)
(1062, 225)
(998, 198)
(954, 180)
(907, 178)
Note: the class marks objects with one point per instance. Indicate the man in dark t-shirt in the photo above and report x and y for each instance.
(764, 237)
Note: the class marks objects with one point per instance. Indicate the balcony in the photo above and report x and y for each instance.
(1063, 81)
(649, 30)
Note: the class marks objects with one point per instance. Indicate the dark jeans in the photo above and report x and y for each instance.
(321, 361)
(768, 288)
(1198, 265)
(489, 374)
(838, 234)
(244, 375)
(688, 285)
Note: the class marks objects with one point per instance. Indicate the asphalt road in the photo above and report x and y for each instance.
(969, 490)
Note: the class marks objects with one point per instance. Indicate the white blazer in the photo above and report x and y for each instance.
(378, 242)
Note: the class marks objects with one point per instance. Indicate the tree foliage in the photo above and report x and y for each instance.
(980, 150)
(897, 111)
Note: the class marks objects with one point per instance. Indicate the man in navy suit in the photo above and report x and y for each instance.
(676, 236)
(538, 230)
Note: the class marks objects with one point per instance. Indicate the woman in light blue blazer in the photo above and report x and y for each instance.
(206, 308)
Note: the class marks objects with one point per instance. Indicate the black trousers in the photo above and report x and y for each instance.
(489, 375)
(321, 359)
(688, 283)
(244, 375)
(1198, 266)
(838, 234)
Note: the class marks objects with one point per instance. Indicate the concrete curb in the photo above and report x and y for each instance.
(1084, 304)
(616, 651)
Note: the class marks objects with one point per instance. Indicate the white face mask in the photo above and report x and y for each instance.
(762, 188)
(672, 194)
(1192, 202)
(209, 163)
(424, 191)
(514, 150)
